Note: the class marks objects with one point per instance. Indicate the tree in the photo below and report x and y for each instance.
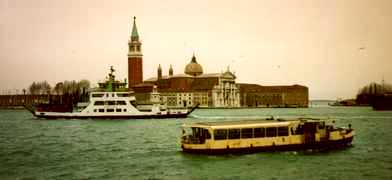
(367, 93)
(59, 88)
(42, 87)
(33, 88)
(84, 84)
(45, 87)
(375, 88)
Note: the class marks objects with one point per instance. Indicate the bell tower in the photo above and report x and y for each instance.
(135, 58)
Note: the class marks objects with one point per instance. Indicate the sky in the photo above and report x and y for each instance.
(333, 47)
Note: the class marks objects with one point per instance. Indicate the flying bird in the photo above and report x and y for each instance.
(361, 48)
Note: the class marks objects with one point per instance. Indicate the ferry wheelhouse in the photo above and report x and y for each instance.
(264, 135)
(110, 101)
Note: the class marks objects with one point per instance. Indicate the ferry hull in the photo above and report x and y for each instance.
(319, 146)
(54, 115)
(163, 116)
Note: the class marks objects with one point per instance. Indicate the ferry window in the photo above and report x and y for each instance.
(322, 125)
(234, 133)
(118, 110)
(95, 110)
(125, 110)
(283, 131)
(97, 95)
(259, 132)
(98, 103)
(110, 102)
(101, 110)
(122, 95)
(220, 134)
(121, 103)
(271, 132)
(109, 110)
(246, 133)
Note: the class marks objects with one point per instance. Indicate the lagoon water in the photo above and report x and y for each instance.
(150, 149)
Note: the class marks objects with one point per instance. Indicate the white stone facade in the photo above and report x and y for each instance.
(226, 94)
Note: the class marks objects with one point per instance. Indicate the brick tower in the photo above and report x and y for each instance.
(135, 58)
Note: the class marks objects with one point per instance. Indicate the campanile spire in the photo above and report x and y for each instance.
(135, 34)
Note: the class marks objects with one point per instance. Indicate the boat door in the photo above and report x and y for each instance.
(206, 136)
(310, 129)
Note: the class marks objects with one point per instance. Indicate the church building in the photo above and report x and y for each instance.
(217, 90)
(209, 90)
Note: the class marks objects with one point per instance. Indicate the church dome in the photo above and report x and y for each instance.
(193, 68)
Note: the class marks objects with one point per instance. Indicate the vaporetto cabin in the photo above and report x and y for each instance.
(265, 134)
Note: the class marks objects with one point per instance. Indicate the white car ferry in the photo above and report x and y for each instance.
(264, 135)
(110, 103)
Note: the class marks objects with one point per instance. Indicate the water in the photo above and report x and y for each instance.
(150, 149)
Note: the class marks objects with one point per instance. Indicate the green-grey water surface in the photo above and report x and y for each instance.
(150, 149)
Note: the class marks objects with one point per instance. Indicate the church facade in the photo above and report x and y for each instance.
(217, 90)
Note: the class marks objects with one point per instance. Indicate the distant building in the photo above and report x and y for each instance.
(22, 99)
(254, 95)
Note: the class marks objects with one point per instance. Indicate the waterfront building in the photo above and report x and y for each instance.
(210, 90)
(216, 90)
(22, 99)
(254, 95)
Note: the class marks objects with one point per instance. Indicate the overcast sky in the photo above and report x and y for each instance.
(333, 47)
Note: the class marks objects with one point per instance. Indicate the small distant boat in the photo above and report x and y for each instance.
(345, 102)
(264, 135)
(108, 103)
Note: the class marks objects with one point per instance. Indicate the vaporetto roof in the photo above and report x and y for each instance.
(244, 123)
